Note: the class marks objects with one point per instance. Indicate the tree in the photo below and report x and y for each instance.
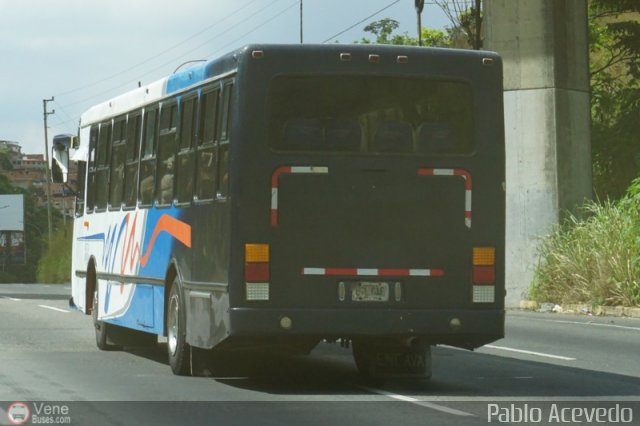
(35, 220)
(466, 22)
(5, 160)
(614, 31)
(384, 28)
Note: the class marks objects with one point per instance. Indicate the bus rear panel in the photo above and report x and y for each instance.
(376, 192)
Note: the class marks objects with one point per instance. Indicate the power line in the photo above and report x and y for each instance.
(173, 60)
(363, 20)
(206, 42)
(282, 12)
(217, 35)
(149, 59)
(65, 123)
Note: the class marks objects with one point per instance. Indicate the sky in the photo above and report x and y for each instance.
(83, 52)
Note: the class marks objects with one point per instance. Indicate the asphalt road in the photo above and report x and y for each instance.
(48, 353)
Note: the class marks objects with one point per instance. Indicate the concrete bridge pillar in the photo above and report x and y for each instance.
(544, 45)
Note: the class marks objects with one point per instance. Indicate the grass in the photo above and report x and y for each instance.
(594, 259)
(55, 264)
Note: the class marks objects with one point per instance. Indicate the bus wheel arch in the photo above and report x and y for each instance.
(103, 330)
(91, 285)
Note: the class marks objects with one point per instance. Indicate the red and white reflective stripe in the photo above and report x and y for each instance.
(275, 179)
(467, 186)
(373, 272)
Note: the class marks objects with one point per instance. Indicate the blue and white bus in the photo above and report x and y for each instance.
(282, 195)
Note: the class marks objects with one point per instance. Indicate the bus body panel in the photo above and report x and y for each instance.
(371, 218)
(410, 221)
(130, 251)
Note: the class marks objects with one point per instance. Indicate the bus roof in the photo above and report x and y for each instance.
(153, 92)
(196, 74)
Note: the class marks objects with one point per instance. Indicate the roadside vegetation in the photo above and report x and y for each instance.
(594, 257)
(594, 260)
(614, 59)
(55, 264)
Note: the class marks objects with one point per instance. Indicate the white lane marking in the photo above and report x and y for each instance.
(585, 323)
(11, 298)
(521, 351)
(416, 401)
(54, 309)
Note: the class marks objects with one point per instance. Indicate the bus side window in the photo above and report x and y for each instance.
(166, 153)
(224, 140)
(148, 160)
(118, 153)
(436, 138)
(91, 178)
(79, 200)
(134, 130)
(303, 134)
(102, 171)
(342, 134)
(207, 159)
(185, 166)
(393, 136)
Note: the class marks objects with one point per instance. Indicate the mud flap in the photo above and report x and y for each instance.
(126, 337)
(389, 358)
(201, 362)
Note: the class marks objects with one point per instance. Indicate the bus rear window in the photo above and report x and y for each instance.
(370, 114)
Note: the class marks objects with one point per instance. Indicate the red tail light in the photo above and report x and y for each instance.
(484, 274)
(256, 272)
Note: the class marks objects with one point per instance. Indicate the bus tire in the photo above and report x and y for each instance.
(178, 350)
(102, 329)
(361, 350)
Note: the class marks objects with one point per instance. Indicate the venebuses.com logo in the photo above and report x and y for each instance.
(18, 413)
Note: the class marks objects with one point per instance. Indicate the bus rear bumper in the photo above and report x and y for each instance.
(457, 327)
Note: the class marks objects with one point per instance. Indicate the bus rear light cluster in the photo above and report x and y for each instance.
(484, 274)
(257, 291)
(484, 294)
(256, 271)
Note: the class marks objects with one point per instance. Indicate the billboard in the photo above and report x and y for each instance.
(12, 245)
(11, 212)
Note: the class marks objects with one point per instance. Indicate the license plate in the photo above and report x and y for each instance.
(370, 291)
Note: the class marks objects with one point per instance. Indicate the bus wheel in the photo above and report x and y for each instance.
(102, 329)
(177, 347)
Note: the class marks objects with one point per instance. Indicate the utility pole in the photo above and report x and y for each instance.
(478, 25)
(419, 7)
(48, 170)
(300, 21)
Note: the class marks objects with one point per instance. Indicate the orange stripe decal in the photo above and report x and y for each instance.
(177, 229)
